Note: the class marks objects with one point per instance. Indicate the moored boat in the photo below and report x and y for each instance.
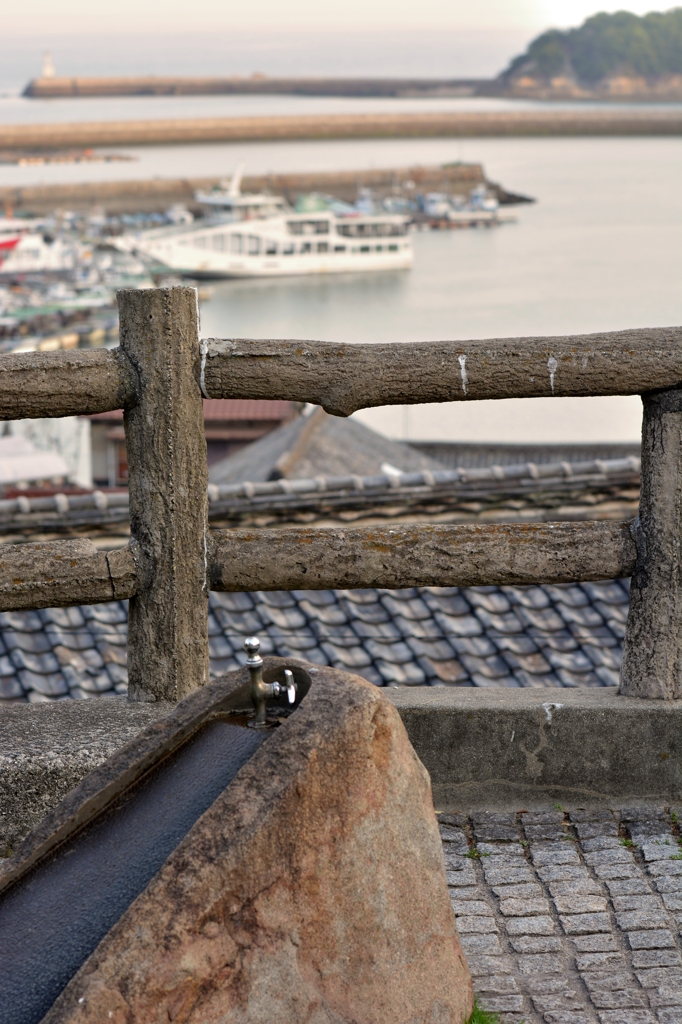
(480, 209)
(262, 236)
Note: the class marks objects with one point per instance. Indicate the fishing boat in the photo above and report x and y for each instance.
(259, 235)
(479, 209)
(34, 252)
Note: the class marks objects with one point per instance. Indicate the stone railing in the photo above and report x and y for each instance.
(161, 372)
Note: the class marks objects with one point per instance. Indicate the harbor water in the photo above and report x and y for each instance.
(600, 250)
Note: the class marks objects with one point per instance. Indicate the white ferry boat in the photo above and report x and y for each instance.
(261, 236)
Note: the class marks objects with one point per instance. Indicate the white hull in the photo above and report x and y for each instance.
(32, 254)
(295, 266)
(290, 245)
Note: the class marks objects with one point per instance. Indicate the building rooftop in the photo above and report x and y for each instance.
(520, 492)
(329, 471)
(228, 409)
(479, 454)
(318, 445)
(539, 636)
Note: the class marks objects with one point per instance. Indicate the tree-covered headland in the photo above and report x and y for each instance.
(609, 54)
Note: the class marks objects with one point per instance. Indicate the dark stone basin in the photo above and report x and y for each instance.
(51, 920)
(98, 855)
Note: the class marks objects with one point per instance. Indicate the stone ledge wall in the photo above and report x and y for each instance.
(483, 749)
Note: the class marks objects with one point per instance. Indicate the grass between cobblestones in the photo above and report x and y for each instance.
(480, 1016)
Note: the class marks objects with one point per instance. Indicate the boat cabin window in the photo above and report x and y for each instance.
(270, 247)
(236, 243)
(306, 247)
(358, 229)
(339, 248)
(254, 245)
(219, 243)
(287, 249)
(323, 246)
(308, 227)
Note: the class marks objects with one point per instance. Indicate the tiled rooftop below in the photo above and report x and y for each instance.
(539, 636)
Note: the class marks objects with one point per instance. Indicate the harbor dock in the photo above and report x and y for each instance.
(157, 194)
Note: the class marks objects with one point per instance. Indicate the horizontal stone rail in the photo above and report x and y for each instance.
(75, 572)
(343, 378)
(420, 556)
(63, 572)
(72, 383)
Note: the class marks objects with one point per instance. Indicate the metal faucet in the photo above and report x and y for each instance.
(261, 691)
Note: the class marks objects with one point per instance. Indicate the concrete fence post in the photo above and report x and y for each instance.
(168, 478)
(652, 650)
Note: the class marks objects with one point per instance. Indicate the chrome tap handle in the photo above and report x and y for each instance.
(262, 691)
(289, 686)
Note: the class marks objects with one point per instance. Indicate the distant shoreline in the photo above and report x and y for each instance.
(620, 90)
(615, 122)
(159, 85)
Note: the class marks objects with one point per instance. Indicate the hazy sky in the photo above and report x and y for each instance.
(76, 16)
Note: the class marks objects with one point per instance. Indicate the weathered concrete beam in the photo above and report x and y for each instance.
(343, 378)
(74, 572)
(168, 480)
(419, 555)
(512, 749)
(64, 572)
(42, 384)
(45, 753)
(652, 651)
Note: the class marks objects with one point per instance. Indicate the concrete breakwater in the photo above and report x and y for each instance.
(171, 85)
(344, 126)
(158, 194)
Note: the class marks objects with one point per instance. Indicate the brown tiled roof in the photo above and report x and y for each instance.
(247, 409)
(228, 409)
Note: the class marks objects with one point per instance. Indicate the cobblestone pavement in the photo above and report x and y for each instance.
(570, 917)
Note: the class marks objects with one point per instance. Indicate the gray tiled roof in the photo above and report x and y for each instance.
(518, 492)
(318, 445)
(477, 454)
(543, 636)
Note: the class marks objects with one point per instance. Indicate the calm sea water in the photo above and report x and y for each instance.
(600, 250)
